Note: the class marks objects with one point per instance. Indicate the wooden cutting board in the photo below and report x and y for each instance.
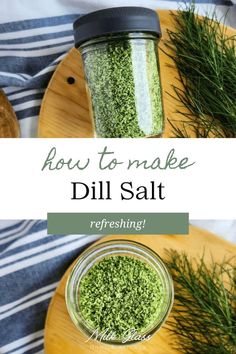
(64, 111)
(9, 125)
(62, 337)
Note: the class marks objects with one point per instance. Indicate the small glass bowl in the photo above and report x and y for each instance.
(122, 248)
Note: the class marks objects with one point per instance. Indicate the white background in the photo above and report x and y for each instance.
(205, 190)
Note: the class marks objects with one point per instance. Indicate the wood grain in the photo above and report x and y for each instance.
(9, 126)
(65, 110)
(62, 337)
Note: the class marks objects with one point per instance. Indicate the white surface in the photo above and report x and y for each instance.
(223, 228)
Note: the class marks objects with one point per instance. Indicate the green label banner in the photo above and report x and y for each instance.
(118, 223)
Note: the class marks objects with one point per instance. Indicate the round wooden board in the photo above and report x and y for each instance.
(62, 337)
(64, 111)
(9, 125)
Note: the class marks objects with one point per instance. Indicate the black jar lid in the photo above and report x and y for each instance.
(116, 20)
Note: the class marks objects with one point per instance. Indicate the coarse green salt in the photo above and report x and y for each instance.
(124, 84)
(119, 294)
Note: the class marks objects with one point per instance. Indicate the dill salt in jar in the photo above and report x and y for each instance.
(120, 58)
(119, 292)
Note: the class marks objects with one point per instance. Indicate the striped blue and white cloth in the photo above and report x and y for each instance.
(29, 53)
(35, 37)
(31, 265)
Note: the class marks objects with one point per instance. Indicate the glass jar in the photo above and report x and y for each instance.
(121, 65)
(121, 248)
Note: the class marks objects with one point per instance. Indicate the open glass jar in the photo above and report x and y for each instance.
(132, 253)
(121, 65)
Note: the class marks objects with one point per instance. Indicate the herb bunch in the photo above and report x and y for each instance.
(204, 314)
(205, 58)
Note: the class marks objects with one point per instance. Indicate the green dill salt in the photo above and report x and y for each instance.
(120, 293)
(124, 85)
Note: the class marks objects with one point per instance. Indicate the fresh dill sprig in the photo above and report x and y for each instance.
(205, 58)
(204, 313)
